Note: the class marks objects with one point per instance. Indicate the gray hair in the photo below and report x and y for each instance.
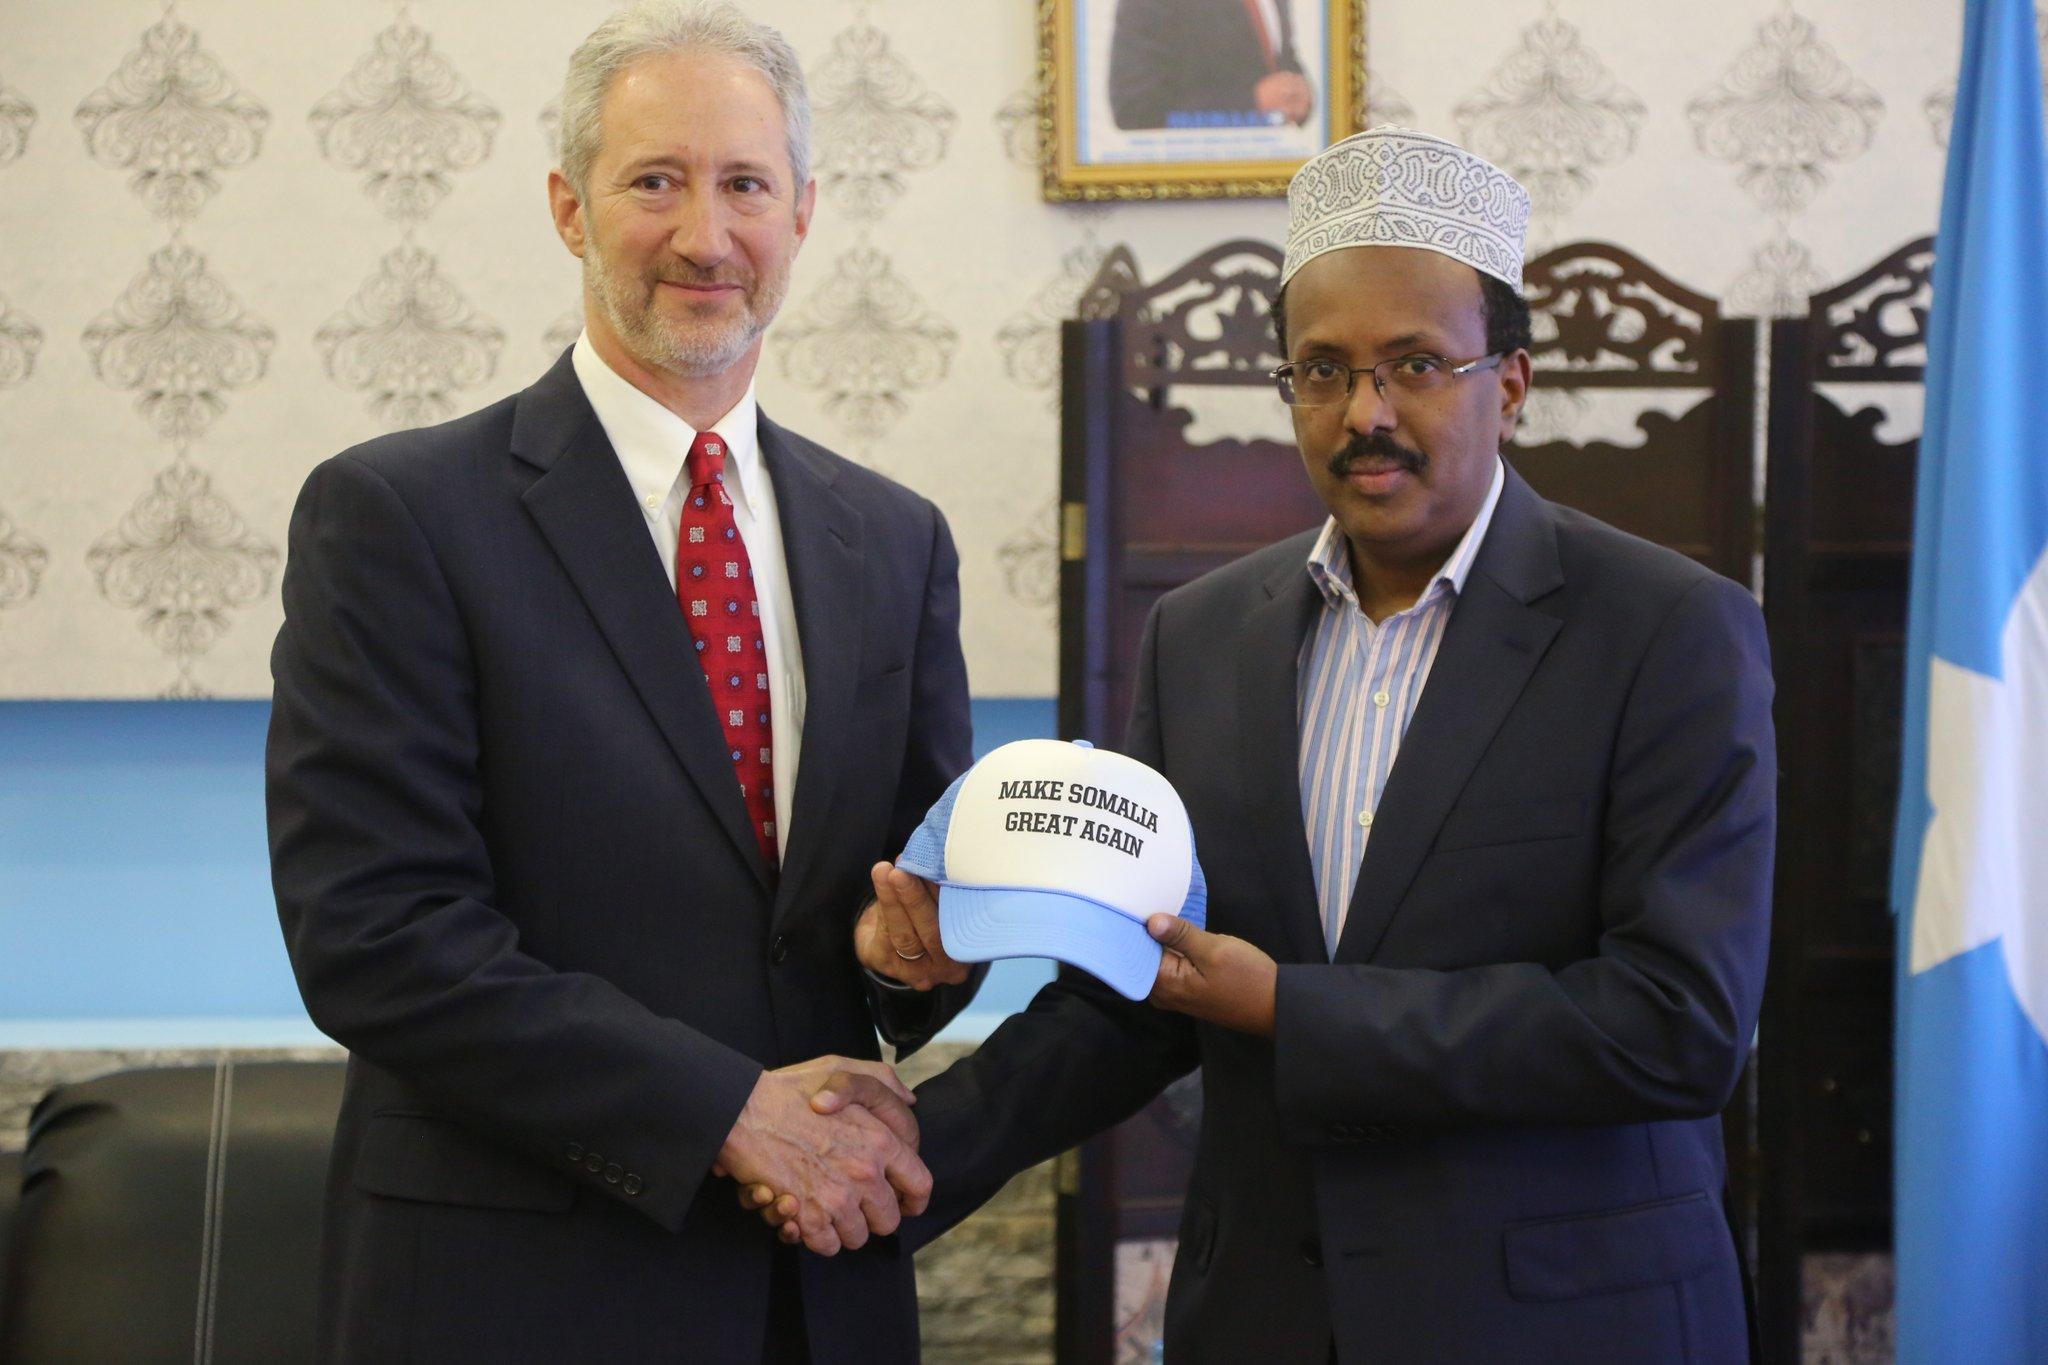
(656, 27)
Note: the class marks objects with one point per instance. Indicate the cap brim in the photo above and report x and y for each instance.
(985, 923)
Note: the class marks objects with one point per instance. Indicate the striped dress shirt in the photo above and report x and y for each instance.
(1359, 684)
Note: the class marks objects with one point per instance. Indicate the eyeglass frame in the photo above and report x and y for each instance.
(1454, 369)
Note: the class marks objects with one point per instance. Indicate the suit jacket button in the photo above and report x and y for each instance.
(1311, 1252)
(632, 1184)
(593, 1163)
(1339, 1133)
(778, 950)
(612, 1173)
(575, 1151)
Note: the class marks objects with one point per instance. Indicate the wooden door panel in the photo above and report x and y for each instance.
(1839, 527)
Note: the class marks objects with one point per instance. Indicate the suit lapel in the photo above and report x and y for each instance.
(1269, 736)
(822, 542)
(1491, 645)
(585, 508)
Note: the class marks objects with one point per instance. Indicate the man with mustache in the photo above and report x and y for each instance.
(593, 710)
(1483, 790)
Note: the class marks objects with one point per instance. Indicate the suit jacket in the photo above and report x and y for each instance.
(1487, 1129)
(516, 881)
(1171, 57)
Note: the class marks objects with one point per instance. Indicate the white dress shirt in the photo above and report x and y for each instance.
(653, 444)
(1269, 10)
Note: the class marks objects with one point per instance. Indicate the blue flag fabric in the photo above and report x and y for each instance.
(1970, 867)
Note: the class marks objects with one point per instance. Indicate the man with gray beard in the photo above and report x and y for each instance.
(594, 709)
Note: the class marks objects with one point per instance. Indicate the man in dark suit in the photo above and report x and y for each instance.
(1483, 790)
(593, 710)
(1205, 64)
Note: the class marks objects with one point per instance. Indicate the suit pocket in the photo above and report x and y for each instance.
(438, 1161)
(1511, 822)
(1604, 1253)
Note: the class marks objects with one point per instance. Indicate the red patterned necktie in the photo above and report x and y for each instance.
(715, 584)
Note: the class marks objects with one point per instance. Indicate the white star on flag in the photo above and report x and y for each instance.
(1984, 864)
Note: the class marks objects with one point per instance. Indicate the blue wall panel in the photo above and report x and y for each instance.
(134, 883)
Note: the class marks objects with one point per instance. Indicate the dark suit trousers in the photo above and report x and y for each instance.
(788, 1341)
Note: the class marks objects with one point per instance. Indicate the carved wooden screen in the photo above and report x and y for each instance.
(1145, 510)
(1838, 541)
(1605, 321)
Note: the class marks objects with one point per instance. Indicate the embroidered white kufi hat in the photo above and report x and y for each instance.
(1397, 187)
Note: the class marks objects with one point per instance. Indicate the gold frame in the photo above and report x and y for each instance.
(1066, 180)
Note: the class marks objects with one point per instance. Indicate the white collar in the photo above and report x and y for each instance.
(652, 442)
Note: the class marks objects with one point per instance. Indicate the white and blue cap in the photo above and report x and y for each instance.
(1051, 849)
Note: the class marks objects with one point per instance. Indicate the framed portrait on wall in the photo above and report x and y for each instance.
(1161, 99)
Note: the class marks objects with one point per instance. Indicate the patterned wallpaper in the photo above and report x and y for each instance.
(236, 237)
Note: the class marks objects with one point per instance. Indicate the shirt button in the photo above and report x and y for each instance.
(1365, 819)
(1381, 697)
(653, 503)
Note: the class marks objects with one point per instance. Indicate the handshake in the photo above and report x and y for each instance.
(826, 1151)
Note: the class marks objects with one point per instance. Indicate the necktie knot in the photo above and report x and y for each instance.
(706, 462)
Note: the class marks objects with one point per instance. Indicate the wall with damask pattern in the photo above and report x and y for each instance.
(236, 237)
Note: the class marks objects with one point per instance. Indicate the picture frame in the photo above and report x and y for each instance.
(1193, 99)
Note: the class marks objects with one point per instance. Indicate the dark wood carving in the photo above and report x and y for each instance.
(1207, 322)
(1604, 320)
(1874, 328)
(1838, 532)
(1152, 509)
(1114, 278)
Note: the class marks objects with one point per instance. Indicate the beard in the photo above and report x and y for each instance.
(684, 346)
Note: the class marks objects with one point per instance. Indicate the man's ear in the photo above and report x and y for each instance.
(1515, 374)
(567, 210)
(806, 204)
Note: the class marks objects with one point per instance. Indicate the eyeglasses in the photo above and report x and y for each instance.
(1313, 383)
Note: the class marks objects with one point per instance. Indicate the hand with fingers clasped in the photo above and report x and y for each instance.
(897, 936)
(836, 1136)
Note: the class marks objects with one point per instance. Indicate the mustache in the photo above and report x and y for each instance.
(1377, 445)
(703, 277)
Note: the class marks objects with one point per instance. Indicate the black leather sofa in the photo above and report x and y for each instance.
(170, 1214)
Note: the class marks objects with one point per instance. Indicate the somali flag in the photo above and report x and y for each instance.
(1970, 871)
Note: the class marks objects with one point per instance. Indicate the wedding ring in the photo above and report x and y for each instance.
(908, 957)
